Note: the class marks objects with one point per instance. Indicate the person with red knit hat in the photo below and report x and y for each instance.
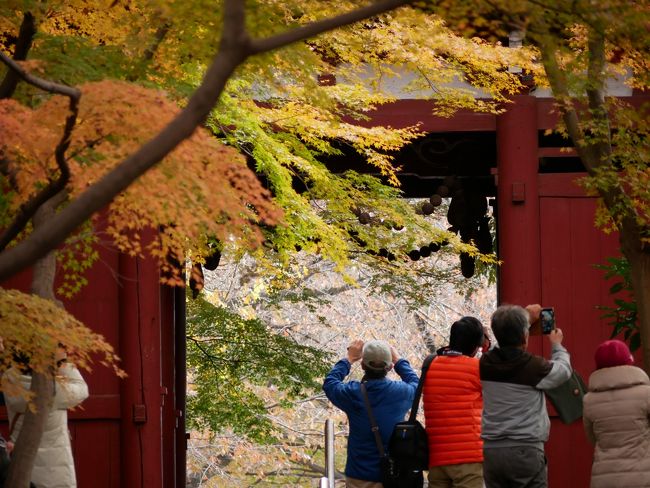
(616, 417)
(613, 353)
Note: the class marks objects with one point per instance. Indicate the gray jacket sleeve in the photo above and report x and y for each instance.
(560, 368)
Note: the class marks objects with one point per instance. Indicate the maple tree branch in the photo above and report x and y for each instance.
(559, 86)
(428, 80)
(7, 172)
(317, 396)
(45, 85)
(593, 154)
(234, 34)
(584, 14)
(89, 145)
(23, 45)
(631, 230)
(314, 28)
(596, 73)
(159, 36)
(54, 186)
(97, 196)
(234, 47)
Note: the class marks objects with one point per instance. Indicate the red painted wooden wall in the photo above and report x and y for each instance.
(549, 247)
(95, 427)
(570, 247)
(127, 432)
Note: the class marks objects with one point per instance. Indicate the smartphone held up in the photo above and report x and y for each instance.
(547, 319)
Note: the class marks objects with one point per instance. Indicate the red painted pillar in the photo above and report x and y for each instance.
(140, 348)
(180, 375)
(169, 412)
(518, 203)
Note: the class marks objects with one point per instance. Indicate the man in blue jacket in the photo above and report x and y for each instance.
(390, 401)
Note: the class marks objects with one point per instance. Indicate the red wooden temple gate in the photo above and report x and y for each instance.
(131, 433)
(546, 239)
(549, 246)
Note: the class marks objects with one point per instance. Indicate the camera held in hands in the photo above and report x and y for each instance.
(547, 319)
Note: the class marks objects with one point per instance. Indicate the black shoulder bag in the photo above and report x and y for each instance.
(408, 446)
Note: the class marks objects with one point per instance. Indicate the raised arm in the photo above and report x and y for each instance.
(70, 388)
(560, 363)
(338, 392)
(404, 369)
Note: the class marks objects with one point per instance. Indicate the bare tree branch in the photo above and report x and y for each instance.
(158, 38)
(427, 337)
(315, 28)
(45, 85)
(234, 48)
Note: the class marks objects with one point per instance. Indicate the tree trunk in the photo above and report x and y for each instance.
(597, 155)
(24, 454)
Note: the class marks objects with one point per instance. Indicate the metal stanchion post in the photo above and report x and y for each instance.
(329, 453)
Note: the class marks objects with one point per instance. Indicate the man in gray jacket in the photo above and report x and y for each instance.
(515, 422)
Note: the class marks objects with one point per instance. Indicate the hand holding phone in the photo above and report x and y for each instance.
(547, 319)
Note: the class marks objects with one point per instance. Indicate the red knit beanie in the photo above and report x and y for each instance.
(613, 353)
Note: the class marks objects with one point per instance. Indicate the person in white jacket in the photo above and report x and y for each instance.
(54, 464)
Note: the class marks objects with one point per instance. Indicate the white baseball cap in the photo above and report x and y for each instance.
(376, 356)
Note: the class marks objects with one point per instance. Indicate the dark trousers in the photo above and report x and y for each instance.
(514, 467)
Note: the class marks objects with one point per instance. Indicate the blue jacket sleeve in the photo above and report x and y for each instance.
(405, 371)
(338, 392)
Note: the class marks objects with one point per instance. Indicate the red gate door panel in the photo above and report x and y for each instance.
(571, 247)
(96, 447)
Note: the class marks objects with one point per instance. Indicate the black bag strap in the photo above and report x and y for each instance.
(373, 423)
(418, 392)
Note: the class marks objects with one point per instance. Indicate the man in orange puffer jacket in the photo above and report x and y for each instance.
(453, 404)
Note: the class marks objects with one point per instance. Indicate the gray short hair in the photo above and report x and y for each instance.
(510, 324)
